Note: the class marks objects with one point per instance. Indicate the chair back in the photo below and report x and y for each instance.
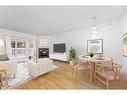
(83, 63)
(109, 60)
(116, 69)
(106, 69)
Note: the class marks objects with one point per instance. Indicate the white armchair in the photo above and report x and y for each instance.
(40, 67)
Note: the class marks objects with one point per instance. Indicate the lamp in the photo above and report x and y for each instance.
(1, 43)
(95, 33)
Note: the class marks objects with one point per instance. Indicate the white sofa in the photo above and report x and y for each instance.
(40, 67)
(10, 66)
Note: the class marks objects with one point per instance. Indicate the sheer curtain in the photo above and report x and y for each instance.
(2, 44)
(8, 50)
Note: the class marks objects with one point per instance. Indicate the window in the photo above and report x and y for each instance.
(20, 51)
(31, 48)
(13, 52)
(31, 45)
(12, 44)
(19, 48)
(43, 43)
(21, 44)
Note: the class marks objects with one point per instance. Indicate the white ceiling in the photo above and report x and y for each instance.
(46, 20)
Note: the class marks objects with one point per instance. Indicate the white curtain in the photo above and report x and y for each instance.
(8, 46)
(2, 47)
(27, 49)
(35, 47)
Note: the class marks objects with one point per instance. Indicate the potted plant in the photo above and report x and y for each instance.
(72, 55)
(92, 51)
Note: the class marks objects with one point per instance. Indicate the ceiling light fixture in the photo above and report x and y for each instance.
(95, 33)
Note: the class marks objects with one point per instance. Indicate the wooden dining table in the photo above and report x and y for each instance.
(93, 61)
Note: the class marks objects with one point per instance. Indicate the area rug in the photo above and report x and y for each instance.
(22, 76)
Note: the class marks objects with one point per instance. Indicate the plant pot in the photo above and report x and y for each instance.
(71, 63)
(91, 55)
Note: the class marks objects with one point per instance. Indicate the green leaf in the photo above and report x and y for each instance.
(72, 54)
(125, 41)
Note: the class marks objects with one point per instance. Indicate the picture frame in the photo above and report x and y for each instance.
(95, 46)
(125, 44)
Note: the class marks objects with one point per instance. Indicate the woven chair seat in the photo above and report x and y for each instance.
(110, 74)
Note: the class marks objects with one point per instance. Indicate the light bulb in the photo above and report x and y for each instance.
(94, 28)
(95, 32)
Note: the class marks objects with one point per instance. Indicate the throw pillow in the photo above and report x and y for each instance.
(4, 57)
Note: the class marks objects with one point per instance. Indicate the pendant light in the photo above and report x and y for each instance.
(95, 33)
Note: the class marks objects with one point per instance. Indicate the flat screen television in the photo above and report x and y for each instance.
(61, 48)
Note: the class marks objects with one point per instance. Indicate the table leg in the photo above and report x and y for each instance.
(92, 71)
(0, 81)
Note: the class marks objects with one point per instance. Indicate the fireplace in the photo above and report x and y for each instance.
(43, 52)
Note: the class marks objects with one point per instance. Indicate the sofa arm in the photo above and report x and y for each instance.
(12, 70)
(33, 69)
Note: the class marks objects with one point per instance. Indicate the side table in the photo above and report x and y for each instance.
(3, 78)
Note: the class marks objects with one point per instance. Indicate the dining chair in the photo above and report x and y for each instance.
(108, 58)
(105, 74)
(108, 62)
(81, 69)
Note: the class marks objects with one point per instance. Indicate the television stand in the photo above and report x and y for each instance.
(59, 56)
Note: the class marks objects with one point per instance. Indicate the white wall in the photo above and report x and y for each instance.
(111, 33)
(78, 39)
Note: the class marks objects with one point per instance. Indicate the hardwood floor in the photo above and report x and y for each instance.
(62, 78)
